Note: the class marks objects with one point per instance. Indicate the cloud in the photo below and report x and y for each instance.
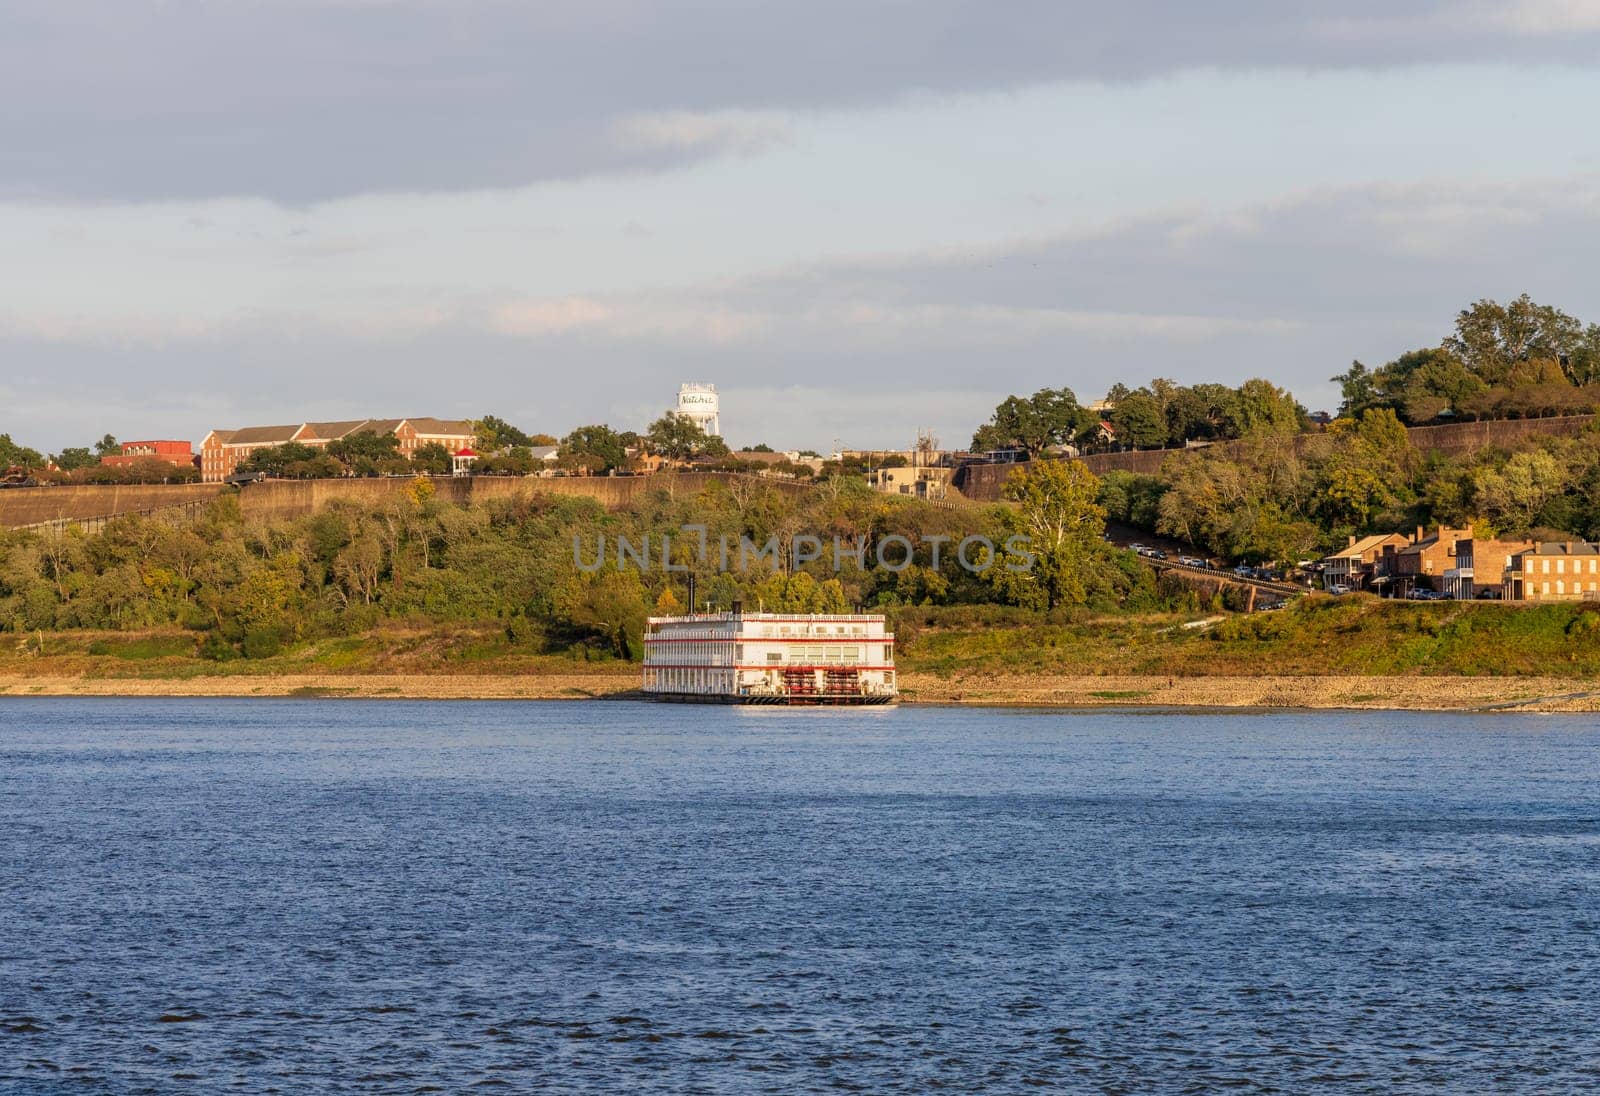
(534, 319)
(869, 349)
(314, 99)
(699, 134)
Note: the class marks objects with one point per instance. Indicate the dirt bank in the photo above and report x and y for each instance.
(1021, 690)
(1395, 693)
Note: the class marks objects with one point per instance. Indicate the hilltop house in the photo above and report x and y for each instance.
(179, 454)
(223, 451)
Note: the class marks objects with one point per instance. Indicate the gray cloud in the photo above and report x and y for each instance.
(868, 352)
(308, 99)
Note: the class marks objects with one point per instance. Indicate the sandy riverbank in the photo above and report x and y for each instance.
(1550, 694)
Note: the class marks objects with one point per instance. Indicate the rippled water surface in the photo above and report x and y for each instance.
(307, 896)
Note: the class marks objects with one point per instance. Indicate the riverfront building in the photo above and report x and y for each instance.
(1556, 571)
(770, 658)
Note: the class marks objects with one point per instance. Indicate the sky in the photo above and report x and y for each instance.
(857, 219)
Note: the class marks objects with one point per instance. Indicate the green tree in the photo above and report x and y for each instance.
(1051, 416)
(71, 459)
(13, 454)
(107, 447)
(1491, 338)
(494, 433)
(1368, 470)
(366, 452)
(292, 460)
(1058, 510)
(1511, 497)
(1265, 410)
(433, 458)
(599, 448)
(1358, 388)
(1140, 421)
(678, 437)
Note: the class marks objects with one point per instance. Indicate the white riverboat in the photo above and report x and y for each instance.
(770, 658)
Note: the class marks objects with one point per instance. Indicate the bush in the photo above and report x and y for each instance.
(217, 649)
(262, 642)
(1586, 623)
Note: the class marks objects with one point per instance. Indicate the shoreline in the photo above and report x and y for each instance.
(1282, 692)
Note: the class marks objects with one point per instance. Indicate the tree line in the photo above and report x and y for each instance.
(1282, 499)
(1500, 361)
(251, 588)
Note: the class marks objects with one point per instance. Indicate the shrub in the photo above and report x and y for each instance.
(262, 642)
(217, 649)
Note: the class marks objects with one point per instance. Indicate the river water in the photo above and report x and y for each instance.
(344, 896)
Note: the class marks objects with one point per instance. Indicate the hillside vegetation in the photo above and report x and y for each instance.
(1318, 636)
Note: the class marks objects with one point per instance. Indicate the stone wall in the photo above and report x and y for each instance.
(296, 498)
(37, 505)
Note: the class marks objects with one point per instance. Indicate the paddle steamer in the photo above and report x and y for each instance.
(770, 658)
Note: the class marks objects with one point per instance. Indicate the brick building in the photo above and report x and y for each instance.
(179, 454)
(223, 451)
(1421, 562)
(1554, 571)
(1480, 567)
(1354, 566)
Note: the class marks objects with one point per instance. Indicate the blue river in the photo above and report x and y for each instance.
(342, 896)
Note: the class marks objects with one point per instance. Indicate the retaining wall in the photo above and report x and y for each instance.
(296, 498)
(36, 505)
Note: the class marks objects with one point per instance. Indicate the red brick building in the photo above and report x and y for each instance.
(223, 451)
(180, 454)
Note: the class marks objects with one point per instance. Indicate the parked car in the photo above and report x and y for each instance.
(1244, 570)
(1191, 561)
(1141, 549)
(1156, 553)
(1338, 589)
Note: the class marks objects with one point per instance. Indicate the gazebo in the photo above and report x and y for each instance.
(461, 462)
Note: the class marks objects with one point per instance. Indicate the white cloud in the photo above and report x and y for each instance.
(1539, 17)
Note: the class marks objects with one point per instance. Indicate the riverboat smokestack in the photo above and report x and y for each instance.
(691, 592)
(738, 607)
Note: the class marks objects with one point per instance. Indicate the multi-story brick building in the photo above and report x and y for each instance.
(223, 451)
(1353, 567)
(180, 454)
(1480, 567)
(1554, 571)
(1420, 563)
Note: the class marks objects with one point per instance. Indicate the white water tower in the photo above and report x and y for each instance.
(698, 402)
